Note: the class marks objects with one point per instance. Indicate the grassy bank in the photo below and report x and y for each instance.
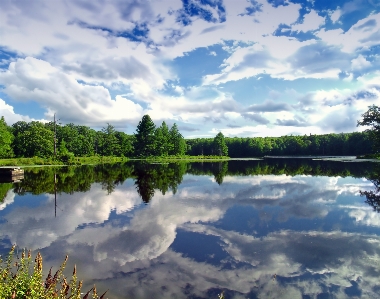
(51, 161)
(100, 160)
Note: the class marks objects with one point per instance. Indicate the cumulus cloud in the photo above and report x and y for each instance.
(311, 21)
(102, 58)
(33, 79)
(41, 228)
(9, 115)
(359, 63)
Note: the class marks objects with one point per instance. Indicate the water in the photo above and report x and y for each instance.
(253, 229)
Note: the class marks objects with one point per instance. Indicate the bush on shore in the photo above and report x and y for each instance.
(21, 278)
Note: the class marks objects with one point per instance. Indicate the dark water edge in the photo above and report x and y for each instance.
(253, 229)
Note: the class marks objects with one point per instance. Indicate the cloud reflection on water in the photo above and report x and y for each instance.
(133, 255)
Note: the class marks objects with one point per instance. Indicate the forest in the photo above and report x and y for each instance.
(63, 142)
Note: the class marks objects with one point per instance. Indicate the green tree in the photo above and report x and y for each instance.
(126, 144)
(6, 138)
(162, 138)
(176, 142)
(110, 142)
(144, 143)
(219, 145)
(32, 139)
(372, 118)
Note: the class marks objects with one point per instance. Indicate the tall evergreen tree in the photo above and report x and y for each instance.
(176, 142)
(144, 143)
(6, 138)
(219, 145)
(162, 140)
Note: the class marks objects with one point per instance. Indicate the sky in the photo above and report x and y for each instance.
(246, 68)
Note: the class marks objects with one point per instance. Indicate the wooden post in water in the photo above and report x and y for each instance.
(55, 140)
(55, 194)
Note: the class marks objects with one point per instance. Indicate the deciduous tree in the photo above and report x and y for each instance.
(6, 138)
(372, 118)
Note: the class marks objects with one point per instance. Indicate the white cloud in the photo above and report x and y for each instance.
(86, 42)
(38, 80)
(359, 63)
(335, 15)
(312, 21)
(362, 34)
(140, 247)
(9, 115)
(7, 200)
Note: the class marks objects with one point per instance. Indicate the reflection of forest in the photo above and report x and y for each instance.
(164, 177)
(373, 196)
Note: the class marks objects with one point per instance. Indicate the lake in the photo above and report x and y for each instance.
(278, 228)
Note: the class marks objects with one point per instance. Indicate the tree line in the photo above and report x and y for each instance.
(329, 144)
(46, 140)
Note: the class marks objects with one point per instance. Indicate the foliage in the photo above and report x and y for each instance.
(373, 196)
(32, 140)
(108, 143)
(176, 141)
(6, 139)
(144, 137)
(372, 118)
(23, 279)
(35, 139)
(329, 144)
(71, 161)
(219, 145)
(151, 141)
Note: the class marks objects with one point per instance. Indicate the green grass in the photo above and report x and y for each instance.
(22, 278)
(51, 161)
(102, 160)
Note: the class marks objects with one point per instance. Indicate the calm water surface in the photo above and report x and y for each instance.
(253, 229)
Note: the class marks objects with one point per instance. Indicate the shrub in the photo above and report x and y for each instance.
(21, 278)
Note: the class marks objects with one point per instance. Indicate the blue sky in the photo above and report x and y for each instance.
(243, 67)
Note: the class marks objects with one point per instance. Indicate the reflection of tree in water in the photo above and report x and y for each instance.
(220, 170)
(73, 179)
(373, 196)
(164, 177)
(4, 188)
